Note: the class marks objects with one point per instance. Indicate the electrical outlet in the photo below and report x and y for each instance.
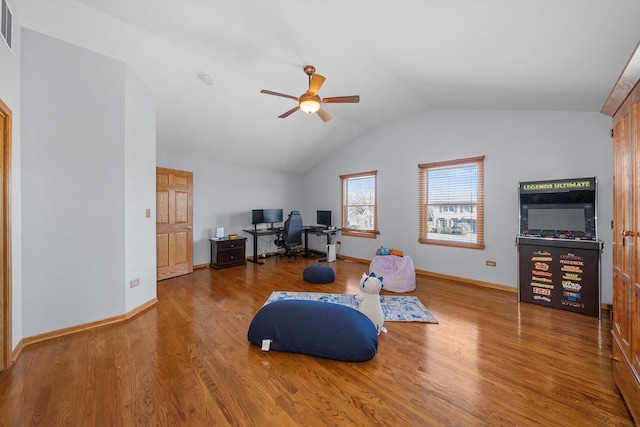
(491, 263)
(134, 283)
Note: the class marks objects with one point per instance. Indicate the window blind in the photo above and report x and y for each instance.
(451, 197)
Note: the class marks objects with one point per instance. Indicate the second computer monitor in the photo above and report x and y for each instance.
(324, 218)
(272, 216)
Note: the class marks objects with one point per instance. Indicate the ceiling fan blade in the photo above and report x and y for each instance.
(316, 83)
(324, 115)
(290, 112)
(342, 99)
(269, 92)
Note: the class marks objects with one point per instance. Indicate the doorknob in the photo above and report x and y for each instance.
(627, 233)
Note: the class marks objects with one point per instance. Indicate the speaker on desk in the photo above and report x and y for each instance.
(331, 253)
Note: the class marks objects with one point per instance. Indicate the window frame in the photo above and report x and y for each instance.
(423, 199)
(372, 233)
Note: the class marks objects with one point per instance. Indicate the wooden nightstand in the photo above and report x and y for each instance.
(228, 253)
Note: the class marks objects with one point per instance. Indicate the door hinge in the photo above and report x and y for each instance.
(611, 132)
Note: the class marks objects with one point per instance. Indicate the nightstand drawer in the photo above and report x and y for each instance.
(226, 258)
(225, 245)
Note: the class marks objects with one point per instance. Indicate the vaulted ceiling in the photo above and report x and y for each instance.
(402, 57)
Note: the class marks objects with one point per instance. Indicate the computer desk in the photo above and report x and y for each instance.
(318, 230)
(273, 231)
(260, 232)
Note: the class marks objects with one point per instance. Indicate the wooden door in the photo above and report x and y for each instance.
(634, 292)
(623, 243)
(624, 105)
(626, 255)
(174, 222)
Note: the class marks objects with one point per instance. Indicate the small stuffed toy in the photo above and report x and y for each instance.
(383, 251)
(369, 300)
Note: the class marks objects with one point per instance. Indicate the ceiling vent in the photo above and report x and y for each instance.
(6, 24)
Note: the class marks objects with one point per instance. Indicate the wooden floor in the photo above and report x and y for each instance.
(186, 361)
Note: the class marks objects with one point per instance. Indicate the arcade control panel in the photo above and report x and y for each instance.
(558, 234)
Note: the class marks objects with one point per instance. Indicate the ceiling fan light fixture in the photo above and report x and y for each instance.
(309, 106)
(309, 103)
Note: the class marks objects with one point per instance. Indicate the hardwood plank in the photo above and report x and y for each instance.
(187, 361)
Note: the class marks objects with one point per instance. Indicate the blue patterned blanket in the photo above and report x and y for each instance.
(395, 308)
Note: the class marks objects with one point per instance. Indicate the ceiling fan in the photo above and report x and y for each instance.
(309, 102)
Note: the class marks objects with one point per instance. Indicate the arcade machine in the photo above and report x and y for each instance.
(558, 247)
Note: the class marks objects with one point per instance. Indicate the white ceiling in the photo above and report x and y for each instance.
(401, 57)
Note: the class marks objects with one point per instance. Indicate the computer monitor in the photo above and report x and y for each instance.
(272, 216)
(257, 216)
(324, 218)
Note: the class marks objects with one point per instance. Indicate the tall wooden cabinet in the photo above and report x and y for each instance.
(624, 105)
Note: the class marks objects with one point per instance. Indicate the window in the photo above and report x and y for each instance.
(359, 206)
(452, 203)
(6, 22)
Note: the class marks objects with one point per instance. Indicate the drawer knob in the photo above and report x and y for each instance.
(615, 358)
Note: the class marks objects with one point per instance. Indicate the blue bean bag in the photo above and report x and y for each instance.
(321, 329)
(318, 274)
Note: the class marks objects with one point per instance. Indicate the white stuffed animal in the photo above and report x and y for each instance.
(369, 300)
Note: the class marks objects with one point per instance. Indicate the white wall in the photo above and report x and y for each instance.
(75, 109)
(140, 191)
(224, 195)
(519, 146)
(10, 95)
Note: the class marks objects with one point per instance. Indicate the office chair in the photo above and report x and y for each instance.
(291, 237)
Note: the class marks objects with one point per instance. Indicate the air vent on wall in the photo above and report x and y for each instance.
(6, 25)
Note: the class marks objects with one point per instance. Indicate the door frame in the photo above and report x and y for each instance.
(5, 238)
